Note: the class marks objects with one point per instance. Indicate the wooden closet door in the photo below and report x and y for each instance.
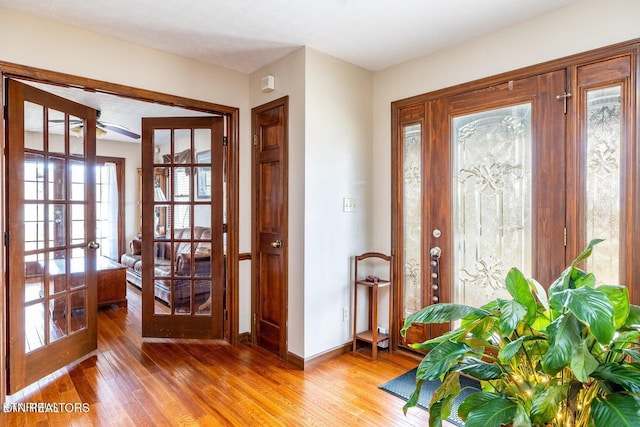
(270, 223)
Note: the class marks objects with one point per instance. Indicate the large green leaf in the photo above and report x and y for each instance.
(484, 409)
(572, 274)
(441, 313)
(619, 298)
(540, 292)
(545, 404)
(442, 399)
(413, 399)
(591, 307)
(521, 419)
(627, 375)
(518, 286)
(479, 326)
(436, 411)
(633, 320)
(626, 339)
(454, 335)
(542, 321)
(561, 283)
(440, 360)
(479, 369)
(511, 314)
(507, 352)
(582, 279)
(564, 337)
(586, 253)
(583, 363)
(620, 410)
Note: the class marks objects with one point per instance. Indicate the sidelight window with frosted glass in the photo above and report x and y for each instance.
(603, 189)
(412, 217)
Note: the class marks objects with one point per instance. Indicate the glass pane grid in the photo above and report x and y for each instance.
(52, 312)
(182, 171)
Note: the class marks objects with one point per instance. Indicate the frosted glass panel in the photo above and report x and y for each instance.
(492, 153)
(603, 181)
(412, 197)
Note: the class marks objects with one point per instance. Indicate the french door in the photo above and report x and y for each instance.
(520, 174)
(183, 245)
(51, 232)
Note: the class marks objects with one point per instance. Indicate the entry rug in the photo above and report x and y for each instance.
(404, 385)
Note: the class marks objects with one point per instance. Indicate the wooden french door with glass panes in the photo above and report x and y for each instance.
(183, 244)
(520, 174)
(51, 231)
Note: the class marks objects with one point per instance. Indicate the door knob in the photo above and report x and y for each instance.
(93, 245)
(276, 244)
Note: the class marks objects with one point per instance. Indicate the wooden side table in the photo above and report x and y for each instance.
(371, 335)
(111, 282)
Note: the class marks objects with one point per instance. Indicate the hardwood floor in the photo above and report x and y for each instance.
(130, 381)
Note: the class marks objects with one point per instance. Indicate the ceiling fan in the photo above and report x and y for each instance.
(75, 126)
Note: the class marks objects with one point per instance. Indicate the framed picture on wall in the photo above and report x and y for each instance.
(203, 175)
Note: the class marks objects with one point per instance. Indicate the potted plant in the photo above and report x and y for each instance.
(568, 356)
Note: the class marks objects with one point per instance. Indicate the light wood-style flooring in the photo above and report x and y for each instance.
(129, 381)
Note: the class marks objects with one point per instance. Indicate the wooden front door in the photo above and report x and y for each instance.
(270, 222)
(493, 194)
(183, 211)
(51, 232)
(517, 174)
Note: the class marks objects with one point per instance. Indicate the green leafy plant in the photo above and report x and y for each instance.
(566, 356)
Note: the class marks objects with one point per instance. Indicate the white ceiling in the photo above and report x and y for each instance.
(245, 35)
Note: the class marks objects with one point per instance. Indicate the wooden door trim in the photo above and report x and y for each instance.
(400, 116)
(618, 49)
(3, 294)
(233, 116)
(255, 245)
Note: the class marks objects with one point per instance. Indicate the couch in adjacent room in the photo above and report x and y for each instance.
(180, 259)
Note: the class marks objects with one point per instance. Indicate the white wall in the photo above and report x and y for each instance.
(576, 28)
(329, 159)
(338, 164)
(37, 42)
(289, 73)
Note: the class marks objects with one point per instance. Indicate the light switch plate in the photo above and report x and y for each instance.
(348, 204)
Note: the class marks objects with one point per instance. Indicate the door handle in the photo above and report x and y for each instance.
(435, 252)
(93, 245)
(276, 244)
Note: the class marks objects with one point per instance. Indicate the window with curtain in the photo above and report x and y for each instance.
(107, 206)
(182, 194)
